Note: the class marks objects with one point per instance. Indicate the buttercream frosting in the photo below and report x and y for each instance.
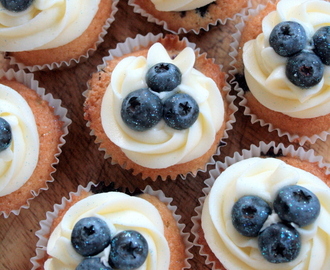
(263, 177)
(19, 160)
(121, 212)
(162, 146)
(264, 70)
(45, 24)
(182, 5)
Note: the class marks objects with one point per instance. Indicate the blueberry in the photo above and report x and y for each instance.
(16, 5)
(163, 77)
(202, 11)
(297, 204)
(180, 111)
(141, 109)
(279, 243)
(90, 236)
(5, 134)
(304, 69)
(249, 214)
(92, 263)
(129, 250)
(321, 40)
(288, 38)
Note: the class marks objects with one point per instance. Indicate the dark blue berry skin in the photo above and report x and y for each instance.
(16, 5)
(90, 236)
(92, 263)
(129, 250)
(288, 38)
(249, 214)
(279, 243)
(304, 69)
(180, 111)
(5, 134)
(297, 204)
(163, 77)
(141, 109)
(202, 11)
(321, 40)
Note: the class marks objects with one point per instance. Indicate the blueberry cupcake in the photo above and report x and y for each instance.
(32, 130)
(193, 15)
(104, 228)
(39, 35)
(282, 68)
(159, 108)
(266, 208)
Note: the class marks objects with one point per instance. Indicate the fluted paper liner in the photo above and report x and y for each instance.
(72, 62)
(240, 92)
(45, 225)
(143, 41)
(182, 30)
(254, 151)
(28, 80)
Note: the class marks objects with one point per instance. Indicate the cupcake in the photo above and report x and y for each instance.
(267, 208)
(137, 230)
(184, 16)
(32, 128)
(158, 108)
(282, 68)
(39, 35)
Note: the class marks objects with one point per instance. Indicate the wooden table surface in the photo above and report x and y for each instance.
(82, 162)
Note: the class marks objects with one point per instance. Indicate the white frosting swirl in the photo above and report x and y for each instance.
(45, 24)
(162, 146)
(263, 177)
(265, 70)
(19, 160)
(121, 212)
(182, 5)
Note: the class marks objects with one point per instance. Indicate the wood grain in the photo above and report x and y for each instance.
(82, 162)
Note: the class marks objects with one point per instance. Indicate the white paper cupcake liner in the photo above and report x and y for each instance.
(28, 80)
(254, 151)
(72, 62)
(133, 44)
(240, 92)
(4, 61)
(182, 30)
(234, 45)
(45, 225)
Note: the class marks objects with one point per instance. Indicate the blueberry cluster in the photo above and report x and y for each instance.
(142, 109)
(91, 235)
(16, 5)
(304, 66)
(5, 134)
(279, 242)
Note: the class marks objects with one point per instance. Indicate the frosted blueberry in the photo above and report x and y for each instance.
(90, 236)
(249, 214)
